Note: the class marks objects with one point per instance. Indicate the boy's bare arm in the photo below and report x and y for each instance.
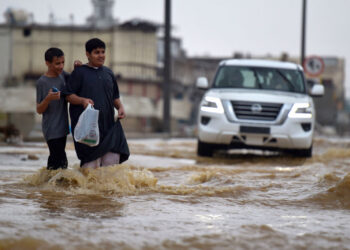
(51, 96)
(77, 100)
(120, 107)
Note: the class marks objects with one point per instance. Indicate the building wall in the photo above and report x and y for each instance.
(152, 90)
(28, 51)
(334, 70)
(135, 54)
(129, 53)
(333, 78)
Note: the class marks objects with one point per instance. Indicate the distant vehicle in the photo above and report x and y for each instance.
(257, 104)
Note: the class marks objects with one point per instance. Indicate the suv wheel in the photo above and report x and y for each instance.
(205, 149)
(301, 152)
(305, 152)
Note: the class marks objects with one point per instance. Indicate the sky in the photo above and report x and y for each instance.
(222, 27)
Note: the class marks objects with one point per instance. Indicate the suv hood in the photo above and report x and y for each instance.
(258, 95)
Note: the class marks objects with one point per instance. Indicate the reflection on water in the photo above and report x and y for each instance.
(166, 197)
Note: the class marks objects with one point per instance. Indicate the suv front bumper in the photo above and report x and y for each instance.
(293, 133)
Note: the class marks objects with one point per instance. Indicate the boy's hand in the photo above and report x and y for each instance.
(77, 63)
(121, 112)
(86, 101)
(52, 96)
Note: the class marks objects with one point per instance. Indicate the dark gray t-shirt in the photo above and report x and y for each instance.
(55, 118)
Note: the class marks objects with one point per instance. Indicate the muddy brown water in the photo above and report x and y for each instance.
(165, 197)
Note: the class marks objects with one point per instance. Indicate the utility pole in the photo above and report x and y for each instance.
(303, 31)
(10, 69)
(167, 69)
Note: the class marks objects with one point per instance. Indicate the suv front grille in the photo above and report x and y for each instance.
(256, 110)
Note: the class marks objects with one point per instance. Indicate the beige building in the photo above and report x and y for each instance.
(131, 49)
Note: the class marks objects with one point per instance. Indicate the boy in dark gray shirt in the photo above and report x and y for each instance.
(52, 104)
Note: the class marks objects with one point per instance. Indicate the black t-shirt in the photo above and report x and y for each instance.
(100, 85)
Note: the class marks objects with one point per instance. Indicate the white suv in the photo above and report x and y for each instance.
(257, 104)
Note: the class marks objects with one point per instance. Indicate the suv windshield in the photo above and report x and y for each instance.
(260, 78)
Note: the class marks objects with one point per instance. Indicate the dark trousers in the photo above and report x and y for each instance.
(57, 158)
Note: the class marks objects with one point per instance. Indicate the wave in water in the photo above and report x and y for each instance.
(31, 243)
(336, 196)
(126, 180)
(114, 179)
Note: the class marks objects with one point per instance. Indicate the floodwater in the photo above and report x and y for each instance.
(165, 197)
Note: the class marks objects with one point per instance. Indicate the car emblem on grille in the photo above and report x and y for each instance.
(256, 108)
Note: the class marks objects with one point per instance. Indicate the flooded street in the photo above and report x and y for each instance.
(165, 197)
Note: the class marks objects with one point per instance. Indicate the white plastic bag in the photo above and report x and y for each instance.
(86, 131)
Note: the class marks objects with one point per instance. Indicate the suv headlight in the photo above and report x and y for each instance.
(301, 110)
(212, 104)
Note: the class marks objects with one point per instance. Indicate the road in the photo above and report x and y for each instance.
(165, 197)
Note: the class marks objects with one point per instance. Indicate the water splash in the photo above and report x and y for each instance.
(334, 153)
(202, 177)
(119, 179)
(342, 188)
(338, 195)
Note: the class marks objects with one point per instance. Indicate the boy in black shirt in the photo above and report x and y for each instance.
(96, 84)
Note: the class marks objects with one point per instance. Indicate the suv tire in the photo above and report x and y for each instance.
(304, 152)
(205, 149)
(301, 152)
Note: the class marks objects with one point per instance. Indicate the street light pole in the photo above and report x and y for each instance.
(167, 69)
(303, 31)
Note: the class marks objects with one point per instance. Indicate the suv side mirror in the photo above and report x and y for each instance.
(317, 90)
(202, 83)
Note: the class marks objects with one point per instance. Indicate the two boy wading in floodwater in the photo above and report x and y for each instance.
(90, 83)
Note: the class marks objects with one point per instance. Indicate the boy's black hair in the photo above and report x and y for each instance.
(51, 53)
(94, 43)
